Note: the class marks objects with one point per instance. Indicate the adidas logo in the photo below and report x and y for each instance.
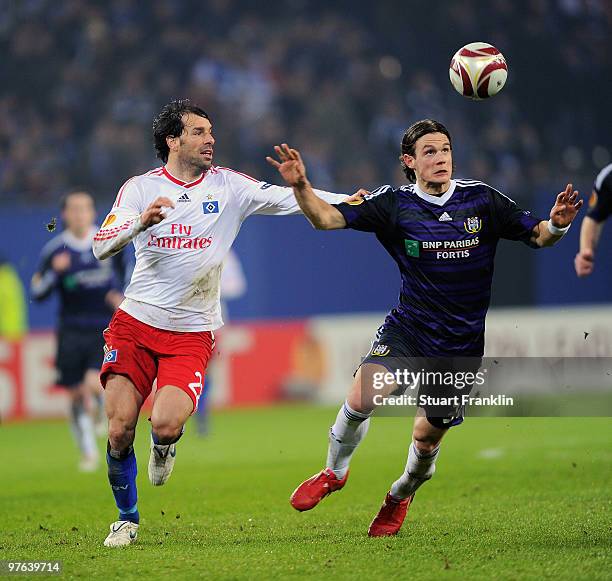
(445, 218)
(184, 198)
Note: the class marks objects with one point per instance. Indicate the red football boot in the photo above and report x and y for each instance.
(390, 517)
(312, 491)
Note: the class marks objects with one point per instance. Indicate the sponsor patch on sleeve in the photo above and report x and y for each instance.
(109, 220)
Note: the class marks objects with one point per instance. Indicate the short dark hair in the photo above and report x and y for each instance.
(74, 192)
(413, 134)
(169, 123)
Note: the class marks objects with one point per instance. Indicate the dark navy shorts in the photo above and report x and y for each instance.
(443, 381)
(78, 350)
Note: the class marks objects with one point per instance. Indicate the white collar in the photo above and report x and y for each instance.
(437, 200)
(79, 244)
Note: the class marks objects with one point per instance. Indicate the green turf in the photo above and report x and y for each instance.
(512, 499)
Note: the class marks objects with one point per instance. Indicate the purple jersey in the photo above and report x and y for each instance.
(444, 247)
(83, 287)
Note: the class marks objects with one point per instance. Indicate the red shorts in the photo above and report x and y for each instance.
(143, 353)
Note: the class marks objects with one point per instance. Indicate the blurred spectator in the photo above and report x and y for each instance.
(342, 81)
(308, 368)
(13, 314)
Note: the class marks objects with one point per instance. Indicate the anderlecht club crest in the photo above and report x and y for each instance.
(473, 225)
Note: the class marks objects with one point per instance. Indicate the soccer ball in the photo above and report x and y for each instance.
(478, 71)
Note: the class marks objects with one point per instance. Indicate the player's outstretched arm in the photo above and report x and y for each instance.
(566, 208)
(590, 232)
(322, 216)
(122, 225)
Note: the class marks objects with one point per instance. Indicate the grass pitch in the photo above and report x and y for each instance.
(512, 498)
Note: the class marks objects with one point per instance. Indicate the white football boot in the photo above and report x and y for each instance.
(161, 462)
(122, 533)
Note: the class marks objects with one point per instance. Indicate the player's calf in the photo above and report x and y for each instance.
(420, 467)
(422, 456)
(348, 431)
(122, 403)
(171, 409)
(122, 471)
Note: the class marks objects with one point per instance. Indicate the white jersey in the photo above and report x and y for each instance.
(176, 281)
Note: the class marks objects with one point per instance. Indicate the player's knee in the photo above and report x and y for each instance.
(425, 444)
(118, 438)
(166, 432)
(357, 401)
(120, 434)
(357, 405)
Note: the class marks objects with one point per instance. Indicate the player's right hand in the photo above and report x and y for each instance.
(155, 213)
(290, 166)
(61, 262)
(584, 262)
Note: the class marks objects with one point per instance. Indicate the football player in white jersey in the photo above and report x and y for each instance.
(182, 218)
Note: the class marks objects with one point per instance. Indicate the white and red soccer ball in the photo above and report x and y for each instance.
(478, 71)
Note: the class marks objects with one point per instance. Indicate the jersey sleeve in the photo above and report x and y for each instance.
(600, 203)
(45, 280)
(122, 223)
(511, 221)
(376, 212)
(255, 197)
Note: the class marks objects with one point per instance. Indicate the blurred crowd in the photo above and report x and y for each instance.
(82, 80)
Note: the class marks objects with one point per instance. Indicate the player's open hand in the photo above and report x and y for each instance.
(584, 262)
(290, 166)
(566, 207)
(156, 212)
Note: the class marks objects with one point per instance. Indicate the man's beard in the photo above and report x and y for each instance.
(200, 165)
